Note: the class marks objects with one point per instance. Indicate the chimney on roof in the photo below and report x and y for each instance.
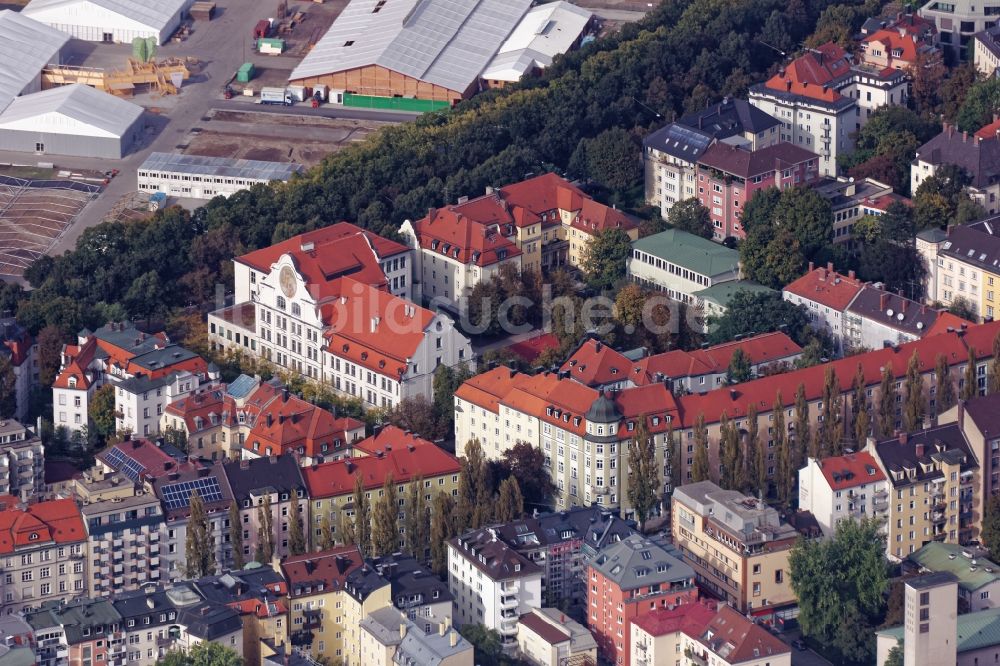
(920, 449)
(812, 267)
(284, 394)
(950, 129)
(965, 137)
(270, 420)
(903, 437)
(883, 301)
(245, 463)
(453, 639)
(851, 274)
(788, 85)
(829, 266)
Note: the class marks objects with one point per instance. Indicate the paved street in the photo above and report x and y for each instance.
(221, 45)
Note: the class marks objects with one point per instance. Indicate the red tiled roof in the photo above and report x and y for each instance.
(892, 40)
(153, 459)
(946, 320)
(735, 400)
(329, 567)
(334, 479)
(453, 233)
(284, 423)
(547, 631)
(848, 471)
(744, 640)
(373, 328)
(202, 405)
(826, 287)
(760, 349)
(56, 521)
(595, 364)
(338, 250)
(530, 349)
(259, 608)
(809, 74)
(989, 131)
(595, 217)
(388, 438)
(545, 193)
(488, 388)
(689, 618)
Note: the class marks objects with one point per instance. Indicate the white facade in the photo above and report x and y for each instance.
(290, 331)
(139, 402)
(828, 128)
(496, 604)
(195, 177)
(957, 21)
(866, 499)
(70, 404)
(445, 280)
(108, 20)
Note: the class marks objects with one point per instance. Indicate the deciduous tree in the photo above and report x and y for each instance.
(785, 471)
(993, 382)
(325, 541)
(417, 520)
(443, 527)
(510, 502)
(861, 415)
(604, 258)
(970, 380)
(385, 524)
(990, 535)
(265, 532)
(739, 367)
(100, 411)
(236, 536)
(296, 534)
(944, 396)
(199, 549)
(799, 445)
(733, 464)
(700, 466)
(690, 216)
(526, 463)
(885, 422)
(915, 406)
(362, 523)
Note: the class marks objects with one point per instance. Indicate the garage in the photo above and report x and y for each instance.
(72, 120)
(110, 20)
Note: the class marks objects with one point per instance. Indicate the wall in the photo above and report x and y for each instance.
(68, 144)
(377, 81)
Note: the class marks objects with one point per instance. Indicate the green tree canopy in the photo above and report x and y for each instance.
(604, 258)
(760, 312)
(981, 102)
(689, 215)
(205, 653)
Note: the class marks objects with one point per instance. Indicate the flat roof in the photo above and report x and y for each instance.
(949, 557)
(444, 42)
(689, 251)
(26, 47)
(221, 166)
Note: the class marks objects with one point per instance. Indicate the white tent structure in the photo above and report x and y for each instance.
(110, 20)
(71, 120)
(545, 32)
(26, 47)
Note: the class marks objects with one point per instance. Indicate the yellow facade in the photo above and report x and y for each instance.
(990, 291)
(355, 610)
(322, 614)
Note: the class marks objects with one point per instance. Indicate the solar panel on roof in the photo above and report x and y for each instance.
(178, 495)
(125, 464)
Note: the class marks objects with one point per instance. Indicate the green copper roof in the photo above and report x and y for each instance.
(689, 251)
(975, 630)
(721, 293)
(936, 556)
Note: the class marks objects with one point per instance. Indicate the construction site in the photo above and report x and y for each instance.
(164, 77)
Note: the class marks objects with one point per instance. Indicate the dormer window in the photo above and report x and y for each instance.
(72, 382)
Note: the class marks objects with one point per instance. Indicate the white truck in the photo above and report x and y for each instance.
(281, 96)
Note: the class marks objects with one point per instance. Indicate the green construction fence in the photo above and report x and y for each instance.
(393, 103)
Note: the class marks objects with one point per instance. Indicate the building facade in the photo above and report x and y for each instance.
(680, 264)
(847, 487)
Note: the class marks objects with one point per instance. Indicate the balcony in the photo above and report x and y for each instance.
(508, 602)
(938, 517)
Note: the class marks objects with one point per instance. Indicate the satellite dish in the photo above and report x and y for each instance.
(889, 312)
(900, 316)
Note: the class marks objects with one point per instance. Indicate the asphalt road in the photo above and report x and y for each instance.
(221, 46)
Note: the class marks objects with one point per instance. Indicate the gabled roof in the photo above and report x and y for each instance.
(827, 287)
(850, 470)
(54, 521)
(980, 157)
(479, 240)
(73, 109)
(730, 117)
(893, 310)
(444, 42)
(688, 618)
(493, 557)
(812, 73)
(905, 43)
(323, 255)
(320, 572)
(26, 46)
(737, 639)
(337, 478)
(280, 473)
(595, 364)
(152, 14)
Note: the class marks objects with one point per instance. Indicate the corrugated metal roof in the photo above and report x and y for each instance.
(444, 42)
(220, 166)
(104, 114)
(152, 13)
(26, 46)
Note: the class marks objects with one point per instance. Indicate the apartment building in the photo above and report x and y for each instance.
(935, 488)
(332, 306)
(44, 554)
(900, 47)
(113, 353)
(392, 453)
(315, 589)
(259, 596)
(561, 543)
(278, 481)
(671, 152)
(21, 350)
(599, 366)
(208, 420)
(680, 264)
(986, 51)
(822, 100)
(957, 22)
(627, 579)
(847, 487)
(737, 545)
(546, 637)
(139, 401)
(825, 294)
(728, 176)
(174, 489)
(978, 420)
(148, 627)
(365, 591)
(978, 154)
(876, 317)
(80, 631)
(964, 265)
(702, 633)
(125, 536)
(417, 592)
(978, 577)
(536, 224)
(492, 584)
(389, 638)
(22, 462)
(851, 199)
